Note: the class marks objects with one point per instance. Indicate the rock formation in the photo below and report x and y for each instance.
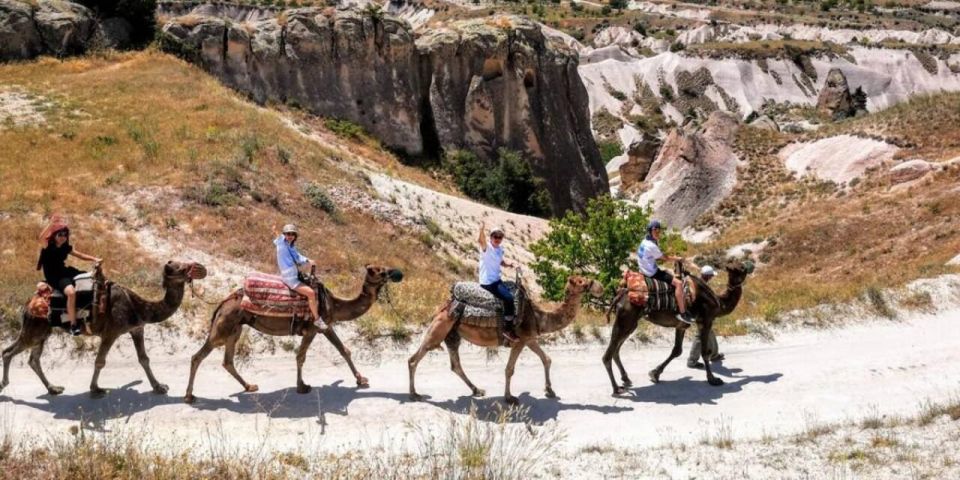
(640, 156)
(835, 100)
(909, 170)
(475, 84)
(694, 170)
(28, 29)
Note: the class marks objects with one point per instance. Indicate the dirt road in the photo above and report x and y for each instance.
(772, 388)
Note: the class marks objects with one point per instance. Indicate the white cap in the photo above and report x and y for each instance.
(707, 270)
(496, 230)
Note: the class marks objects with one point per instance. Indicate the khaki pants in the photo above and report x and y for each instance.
(712, 348)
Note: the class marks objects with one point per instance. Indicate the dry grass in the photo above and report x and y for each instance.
(230, 173)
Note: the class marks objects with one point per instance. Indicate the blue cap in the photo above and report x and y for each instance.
(653, 224)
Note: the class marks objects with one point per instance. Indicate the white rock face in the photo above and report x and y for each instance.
(744, 33)
(886, 76)
(665, 10)
(838, 159)
(909, 170)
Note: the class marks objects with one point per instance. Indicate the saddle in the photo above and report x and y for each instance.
(654, 295)
(472, 305)
(268, 296)
(52, 304)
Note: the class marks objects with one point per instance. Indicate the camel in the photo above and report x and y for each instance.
(532, 322)
(228, 320)
(706, 307)
(126, 312)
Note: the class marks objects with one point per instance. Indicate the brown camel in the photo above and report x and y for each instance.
(706, 307)
(228, 321)
(533, 322)
(126, 312)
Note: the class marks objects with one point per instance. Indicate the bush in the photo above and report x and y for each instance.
(597, 243)
(508, 184)
(639, 28)
(140, 14)
(609, 149)
(319, 199)
(345, 128)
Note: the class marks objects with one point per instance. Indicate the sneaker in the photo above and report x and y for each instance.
(321, 325)
(685, 317)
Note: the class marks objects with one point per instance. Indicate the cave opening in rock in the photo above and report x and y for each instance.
(529, 78)
(492, 69)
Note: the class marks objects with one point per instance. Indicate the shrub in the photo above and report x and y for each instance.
(597, 243)
(345, 128)
(640, 28)
(319, 199)
(509, 183)
(609, 150)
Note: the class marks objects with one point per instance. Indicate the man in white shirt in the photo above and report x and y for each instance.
(647, 255)
(491, 259)
(693, 361)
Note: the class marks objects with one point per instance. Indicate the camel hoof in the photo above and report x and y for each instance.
(304, 388)
(716, 382)
(550, 393)
(617, 391)
(362, 382)
(97, 393)
(627, 382)
(479, 392)
(654, 376)
(416, 397)
(511, 400)
(251, 388)
(161, 389)
(188, 398)
(54, 390)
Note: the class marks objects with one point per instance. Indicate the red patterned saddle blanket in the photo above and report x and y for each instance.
(267, 295)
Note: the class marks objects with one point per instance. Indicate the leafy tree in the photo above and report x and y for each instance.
(509, 183)
(618, 4)
(597, 244)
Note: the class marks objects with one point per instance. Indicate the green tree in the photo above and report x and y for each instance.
(508, 183)
(597, 244)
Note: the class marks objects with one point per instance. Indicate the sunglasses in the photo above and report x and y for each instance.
(290, 234)
(497, 237)
(62, 234)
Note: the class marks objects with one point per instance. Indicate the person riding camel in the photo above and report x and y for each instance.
(288, 260)
(491, 259)
(647, 255)
(54, 249)
(693, 361)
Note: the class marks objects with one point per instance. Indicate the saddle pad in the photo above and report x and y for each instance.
(265, 294)
(477, 301)
(645, 291)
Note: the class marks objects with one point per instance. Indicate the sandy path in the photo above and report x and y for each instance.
(804, 378)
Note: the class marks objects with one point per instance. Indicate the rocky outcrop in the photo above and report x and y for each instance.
(835, 100)
(909, 170)
(478, 84)
(695, 169)
(46, 27)
(640, 156)
(764, 122)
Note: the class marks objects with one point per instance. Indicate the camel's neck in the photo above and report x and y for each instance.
(350, 309)
(729, 299)
(155, 312)
(561, 317)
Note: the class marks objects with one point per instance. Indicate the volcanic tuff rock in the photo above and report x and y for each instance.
(640, 156)
(835, 100)
(43, 27)
(695, 169)
(475, 84)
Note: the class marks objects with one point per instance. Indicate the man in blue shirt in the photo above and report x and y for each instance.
(288, 260)
(491, 259)
(647, 255)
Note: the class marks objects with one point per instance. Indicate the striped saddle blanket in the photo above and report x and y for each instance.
(267, 295)
(654, 295)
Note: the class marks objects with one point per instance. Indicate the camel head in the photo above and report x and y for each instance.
(379, 275)
(178, 273)
(578, 285)
(737, 271)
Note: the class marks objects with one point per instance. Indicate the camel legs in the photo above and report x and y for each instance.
(8, 354)
(137, 336)
(105, 344)
(194, 365)
(704, 332)
(362, 381)
(229, 352)
(511, 363)
(302, 357)
(436, 333)
(545, 359)
(453, 348)
(677, 350)
(34, 362)
(622, 328)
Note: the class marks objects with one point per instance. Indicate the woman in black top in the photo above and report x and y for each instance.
(53, 261)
